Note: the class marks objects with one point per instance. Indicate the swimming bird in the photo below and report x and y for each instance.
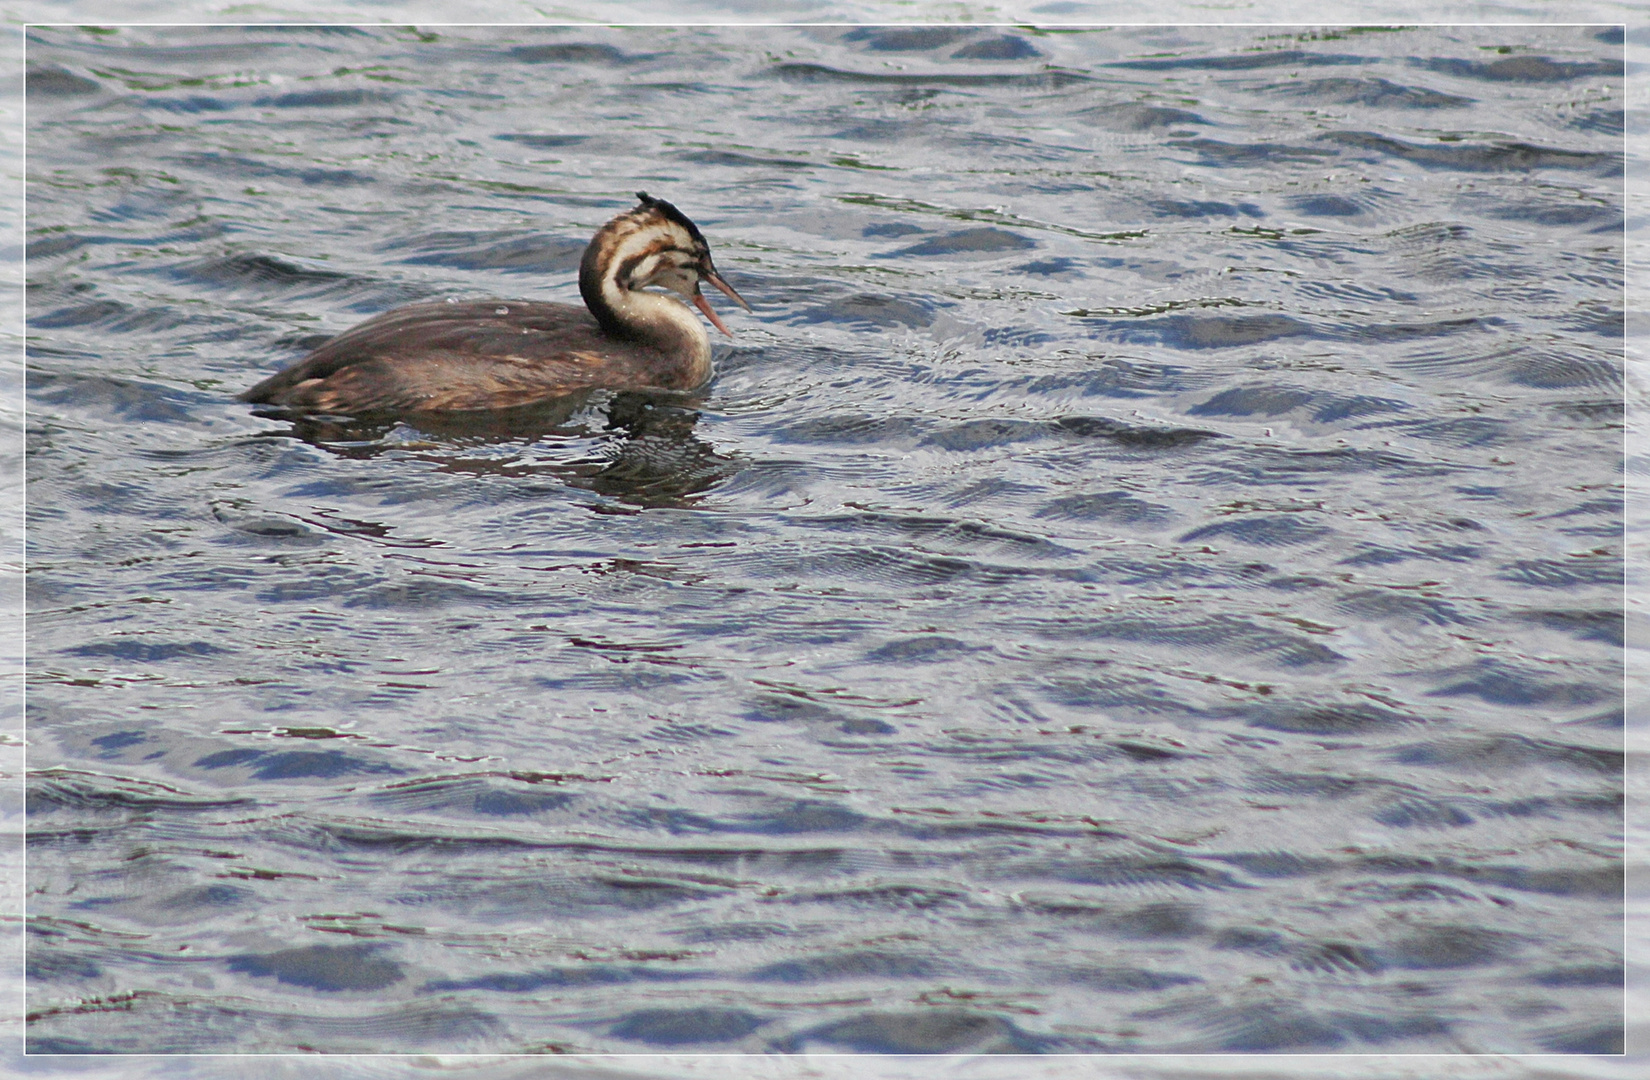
(480, 355)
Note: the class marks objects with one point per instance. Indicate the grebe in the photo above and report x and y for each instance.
(475, 355)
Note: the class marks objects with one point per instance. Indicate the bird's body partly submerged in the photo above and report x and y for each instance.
(480, 355)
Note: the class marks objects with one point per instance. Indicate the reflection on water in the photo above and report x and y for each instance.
(645, 454)
(1145, 577)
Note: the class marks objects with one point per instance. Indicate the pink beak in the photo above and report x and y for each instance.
(703, 305)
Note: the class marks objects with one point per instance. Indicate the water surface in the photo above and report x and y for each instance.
(1146, 578)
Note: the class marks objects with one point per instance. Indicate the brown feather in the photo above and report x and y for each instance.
(468, 356)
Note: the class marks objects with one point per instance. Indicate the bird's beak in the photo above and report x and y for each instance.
(703, 305)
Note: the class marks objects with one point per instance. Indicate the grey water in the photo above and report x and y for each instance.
(1147, 576)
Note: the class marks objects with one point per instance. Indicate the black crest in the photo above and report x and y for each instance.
(671, 214)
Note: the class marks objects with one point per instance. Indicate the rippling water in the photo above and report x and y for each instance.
(1146, 578)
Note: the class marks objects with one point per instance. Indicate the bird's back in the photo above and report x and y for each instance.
(461, 355)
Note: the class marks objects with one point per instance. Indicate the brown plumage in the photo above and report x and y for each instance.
(477, 355)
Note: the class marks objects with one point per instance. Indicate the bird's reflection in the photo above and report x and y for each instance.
(640, 449)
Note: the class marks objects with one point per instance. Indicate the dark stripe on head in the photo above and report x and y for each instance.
(627, 269)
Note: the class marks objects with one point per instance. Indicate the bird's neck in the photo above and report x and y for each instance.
(657, 320)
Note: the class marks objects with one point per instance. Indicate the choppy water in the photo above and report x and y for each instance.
(1147, 577)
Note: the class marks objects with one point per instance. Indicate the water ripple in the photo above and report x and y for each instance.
(1145, 577)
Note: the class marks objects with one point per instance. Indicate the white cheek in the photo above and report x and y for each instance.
(664, 274)
(644, 271)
